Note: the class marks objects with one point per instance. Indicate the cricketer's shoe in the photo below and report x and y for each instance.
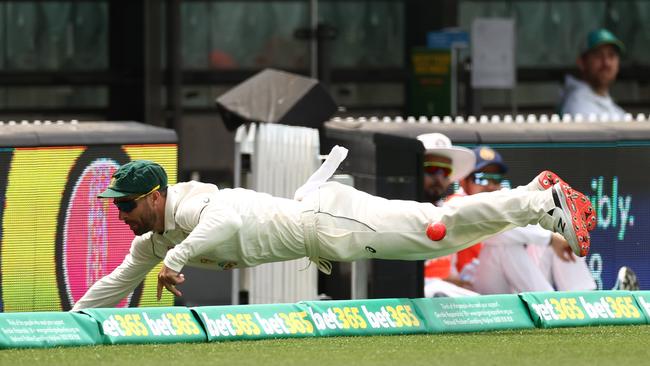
(626, 280)
(547, 179)
(569, 218)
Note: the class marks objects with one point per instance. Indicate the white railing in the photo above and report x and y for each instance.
(37, 122)
(531, 118)
(282, 158)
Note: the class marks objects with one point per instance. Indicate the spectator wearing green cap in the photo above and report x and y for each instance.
(598, 63)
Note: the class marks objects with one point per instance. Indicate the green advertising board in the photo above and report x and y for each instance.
(47, 329)
(147, 325)
(310, 318)
(364, 317)
(430, 86)
(255, 321)
(574, 309)
(476, 313)
(643, 301)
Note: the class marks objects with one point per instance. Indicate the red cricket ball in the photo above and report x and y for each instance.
(436, 231)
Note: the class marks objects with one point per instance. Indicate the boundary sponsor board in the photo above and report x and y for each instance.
(254, 321)
(365, 317)
(643, 301)
(323, 319)
(147, 325)
(311, 318)
(472, 314)
(575, 309)
(47, 329)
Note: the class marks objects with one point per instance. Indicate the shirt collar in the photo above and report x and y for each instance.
(579, 84)
(170, 207)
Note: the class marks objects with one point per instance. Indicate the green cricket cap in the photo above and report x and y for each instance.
(135, 178)
(602, 36)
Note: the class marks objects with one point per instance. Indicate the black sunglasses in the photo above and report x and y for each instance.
(130, 205)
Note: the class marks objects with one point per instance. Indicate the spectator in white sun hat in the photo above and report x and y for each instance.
(444, 164)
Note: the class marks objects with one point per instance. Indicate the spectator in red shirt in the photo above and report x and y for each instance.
(443, 165)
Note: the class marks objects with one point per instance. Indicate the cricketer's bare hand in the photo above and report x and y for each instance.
(168, 279)
(561, 248)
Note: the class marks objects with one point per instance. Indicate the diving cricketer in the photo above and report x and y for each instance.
(197, 224)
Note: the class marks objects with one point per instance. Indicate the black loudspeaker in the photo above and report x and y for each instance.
(398, 176)
(274, 96)
(386, 165)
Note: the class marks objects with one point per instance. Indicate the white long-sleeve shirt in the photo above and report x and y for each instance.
(208, 228)
(579, 98)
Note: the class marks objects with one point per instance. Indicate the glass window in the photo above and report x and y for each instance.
(551, 33)
(250, 34)
(21, 48)
(629, 21)
(89, 36)
(369, 33)
(258, 34)
(54, 35)
(353, 96)
(53, 97)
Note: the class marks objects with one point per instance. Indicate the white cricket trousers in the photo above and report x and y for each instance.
(346, 224)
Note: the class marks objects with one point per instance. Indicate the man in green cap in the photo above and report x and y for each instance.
(133, 182)
(598, 63)
(199, 225)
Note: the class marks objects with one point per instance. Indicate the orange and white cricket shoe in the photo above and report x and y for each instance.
(547, 179)
(569, 217)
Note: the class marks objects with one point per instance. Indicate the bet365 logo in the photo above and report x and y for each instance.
(612, 207)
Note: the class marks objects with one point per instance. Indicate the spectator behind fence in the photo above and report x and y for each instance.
(443, 165)
(598, 64)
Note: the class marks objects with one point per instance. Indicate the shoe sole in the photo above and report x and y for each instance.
(584, 205)
(577, 235)
(547, 179)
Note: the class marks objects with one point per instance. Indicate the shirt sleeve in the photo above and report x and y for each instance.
(208, 223)
(571, 106)
(112, 288)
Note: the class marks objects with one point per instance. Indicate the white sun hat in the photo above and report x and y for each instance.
(462, 159)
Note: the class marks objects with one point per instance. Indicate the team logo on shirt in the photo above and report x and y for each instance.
(227, 265)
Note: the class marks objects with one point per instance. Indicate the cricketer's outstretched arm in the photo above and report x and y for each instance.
(112, 288)
(209, 225)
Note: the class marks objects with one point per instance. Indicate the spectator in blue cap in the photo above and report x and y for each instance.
(598, 64)
(489, 171)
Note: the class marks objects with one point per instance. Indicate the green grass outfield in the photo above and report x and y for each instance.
(614, 345)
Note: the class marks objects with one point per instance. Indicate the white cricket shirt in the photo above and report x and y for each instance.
(208, 228)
